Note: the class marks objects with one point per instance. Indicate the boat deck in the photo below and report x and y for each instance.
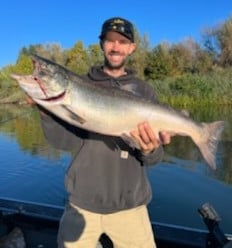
(39, 226)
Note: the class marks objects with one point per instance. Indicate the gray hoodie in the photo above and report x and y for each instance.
(106, 175)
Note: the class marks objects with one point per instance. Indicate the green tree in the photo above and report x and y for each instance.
(224, 36)
(202, 62)
(218, 42)
(23, 65)
(182, 57)
(158, 63)
(77, 59)
(138, 60)
(95, 56)
(52, 51)
(210, 44)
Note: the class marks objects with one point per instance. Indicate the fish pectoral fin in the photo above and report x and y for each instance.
(129, 140)
(78, 118)
(73, 115)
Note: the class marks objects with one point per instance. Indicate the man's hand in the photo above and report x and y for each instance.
(149, 140)
(29, 100)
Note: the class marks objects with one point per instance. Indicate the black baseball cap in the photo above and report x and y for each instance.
(119, 25)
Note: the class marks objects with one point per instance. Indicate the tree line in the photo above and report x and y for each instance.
(182, 72)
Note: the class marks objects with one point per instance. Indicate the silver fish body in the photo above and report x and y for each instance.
(111, 111)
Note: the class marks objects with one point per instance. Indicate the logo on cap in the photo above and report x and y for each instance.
(118, 21)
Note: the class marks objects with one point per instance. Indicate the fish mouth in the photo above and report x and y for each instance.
(56, 98)
(47, 98)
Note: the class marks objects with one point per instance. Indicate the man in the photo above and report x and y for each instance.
(107, 186)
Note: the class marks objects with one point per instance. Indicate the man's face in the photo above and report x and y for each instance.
(116, 48)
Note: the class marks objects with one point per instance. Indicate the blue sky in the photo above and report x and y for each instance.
(28, 22)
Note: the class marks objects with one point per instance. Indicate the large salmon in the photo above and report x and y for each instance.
(111, 111)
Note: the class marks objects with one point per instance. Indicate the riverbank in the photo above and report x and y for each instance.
(213, 88)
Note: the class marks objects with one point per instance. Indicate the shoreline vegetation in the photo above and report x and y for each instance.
(187, 73)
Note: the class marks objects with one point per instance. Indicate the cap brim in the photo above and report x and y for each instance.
(116, 31)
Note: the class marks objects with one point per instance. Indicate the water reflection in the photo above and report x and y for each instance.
(23, 124)
(30, 168)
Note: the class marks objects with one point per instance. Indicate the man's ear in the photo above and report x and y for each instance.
(133, 48)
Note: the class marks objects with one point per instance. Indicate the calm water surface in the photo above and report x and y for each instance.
(32, 170)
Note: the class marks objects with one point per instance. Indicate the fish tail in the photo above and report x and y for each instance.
(209, 147)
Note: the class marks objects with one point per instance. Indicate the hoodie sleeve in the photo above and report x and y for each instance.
(152, 158)
(60, 134)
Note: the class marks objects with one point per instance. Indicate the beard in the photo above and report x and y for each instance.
(113, 66)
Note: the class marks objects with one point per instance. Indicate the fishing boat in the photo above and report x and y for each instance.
(33, 225)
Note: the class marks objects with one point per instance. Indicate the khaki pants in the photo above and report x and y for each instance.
(127, 229)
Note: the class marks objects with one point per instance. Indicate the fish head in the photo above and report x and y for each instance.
(49, 81)
(52, 75)
(29, 85)
(41, 89)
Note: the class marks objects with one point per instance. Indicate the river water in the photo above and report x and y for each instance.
(32, 170)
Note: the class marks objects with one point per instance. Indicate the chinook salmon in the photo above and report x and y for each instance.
(111, 111)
